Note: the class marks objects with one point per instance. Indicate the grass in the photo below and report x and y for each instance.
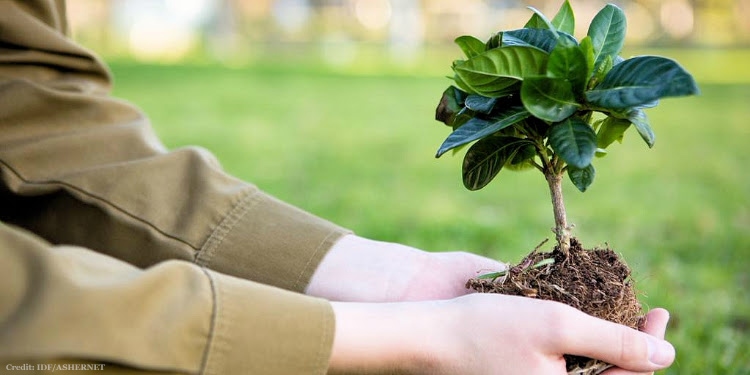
(358, 149)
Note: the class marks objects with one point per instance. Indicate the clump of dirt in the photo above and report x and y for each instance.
(595, 281)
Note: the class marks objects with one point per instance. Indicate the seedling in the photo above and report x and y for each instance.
(537, 98)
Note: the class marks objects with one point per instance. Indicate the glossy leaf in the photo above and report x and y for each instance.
(600, 72)
(494, 72)
(494, 41)
(536, 22)
(568, 61)
(587, 48)
(565, 20)
(639, 81)
(543, 39)
(522, 159)
(607, 32)
(470, 45)
(544, 19)
(582, 177)
(462, 117)
(574, 141)
(450, 104)
(548, 98)
(611, 129)
(462, 85)
(477, 128)
(487, 157)
(481, 104)
(639, 119)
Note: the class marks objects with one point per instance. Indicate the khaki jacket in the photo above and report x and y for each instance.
(116, 251)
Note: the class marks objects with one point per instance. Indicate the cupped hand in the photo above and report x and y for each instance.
(357, 269)
(487, 334)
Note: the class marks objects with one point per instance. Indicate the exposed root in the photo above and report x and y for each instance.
(596, 282)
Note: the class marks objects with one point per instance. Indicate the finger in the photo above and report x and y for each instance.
(656, 325)
(626, 348)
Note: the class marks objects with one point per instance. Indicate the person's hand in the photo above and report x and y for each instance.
(487, 334)
(656, 325)
(357, 269)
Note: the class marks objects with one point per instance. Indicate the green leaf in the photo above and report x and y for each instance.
(540, 17)
(612, 129)
(522, 159)
(460, 83)
(536, 22)
(450, 104)
(582, 177)
(543, 39)
(639, 119)
(481, 104)
(545, 261)
(568, 61)
(495, 72)
(641, 80)
(548, 98)
(565, 19)
(588, 52)
(494, 41)
(492, 275)
(600, 71)
(470, 45)
(574, 141)
(487, 157)
(477, 128)
(607, 32)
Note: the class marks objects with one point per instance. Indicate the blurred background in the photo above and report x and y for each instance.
(329, 105)
(348, 33)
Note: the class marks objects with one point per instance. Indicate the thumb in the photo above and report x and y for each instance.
(613, 343)
(656, 325)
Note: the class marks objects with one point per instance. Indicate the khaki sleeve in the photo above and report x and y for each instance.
(80, 167)
(67, 302)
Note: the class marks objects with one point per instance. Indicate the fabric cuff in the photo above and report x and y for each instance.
(271, 242)
(262, 329)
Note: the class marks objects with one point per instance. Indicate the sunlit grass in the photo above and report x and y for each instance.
(358, 149)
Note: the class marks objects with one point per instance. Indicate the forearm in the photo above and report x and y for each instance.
(385, 338)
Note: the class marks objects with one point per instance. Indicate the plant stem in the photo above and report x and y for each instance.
(562, 231)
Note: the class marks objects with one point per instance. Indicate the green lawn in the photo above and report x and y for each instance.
(358, 150)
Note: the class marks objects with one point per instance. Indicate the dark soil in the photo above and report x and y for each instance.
(595, 281)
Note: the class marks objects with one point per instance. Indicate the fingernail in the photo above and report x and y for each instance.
(660, 352)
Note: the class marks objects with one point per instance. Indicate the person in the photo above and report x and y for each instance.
(127, 257)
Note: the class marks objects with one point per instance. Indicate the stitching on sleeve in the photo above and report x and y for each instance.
(205, 254)
(313, 255)
(212, 327)
(326, 339)
(73, 190)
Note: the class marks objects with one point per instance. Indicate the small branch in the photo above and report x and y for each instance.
(537, 166)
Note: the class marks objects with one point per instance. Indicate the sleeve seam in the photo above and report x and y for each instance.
(298, 282)
(212, 323)
(73, 189)
(327, 340)
(205, 254)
